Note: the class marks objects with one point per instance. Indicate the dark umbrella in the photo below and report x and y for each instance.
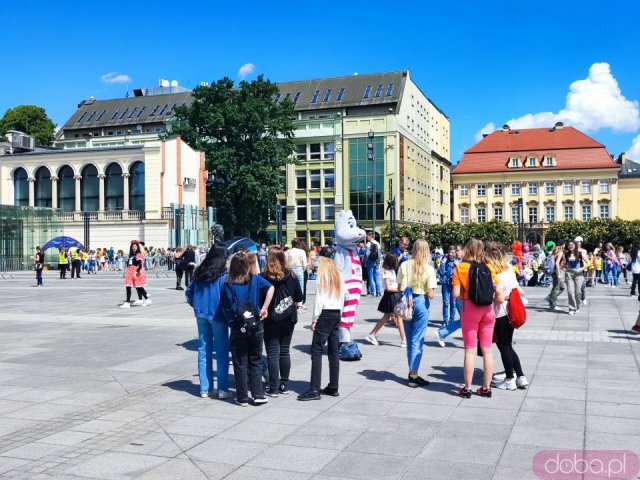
(239, 243)
(60, 242)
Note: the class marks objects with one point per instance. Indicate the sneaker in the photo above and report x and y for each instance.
(635, 329)
(137, 303)
(403, 344)
(572, 312)
(506, 384)
(372, 340)
(205, 395)
(309, 395)
(179, 288)
(283, 390)
(439, 338)
(484, 392)
(557, 308)
(417, 381)
(125, 305)
(499, 376)
(260, 400)
(272, 392)
(584, 302)
(330, 391)
(222, 395)
(522, 382)
(242, 403)
(464, 392)
(146, 303)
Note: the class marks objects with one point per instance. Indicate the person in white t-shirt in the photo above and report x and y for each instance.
(297, 262)
(503, 329)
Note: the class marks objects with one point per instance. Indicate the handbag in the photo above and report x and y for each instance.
(350, 351)
(404, 308)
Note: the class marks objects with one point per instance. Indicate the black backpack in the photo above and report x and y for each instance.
(283, 305)
(246, 318)
(374, 254)
(480, 284)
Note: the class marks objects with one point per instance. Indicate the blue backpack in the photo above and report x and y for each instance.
(350, 351)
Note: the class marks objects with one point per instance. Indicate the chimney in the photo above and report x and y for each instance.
(558, 126)
(622, 159)
(506, 128)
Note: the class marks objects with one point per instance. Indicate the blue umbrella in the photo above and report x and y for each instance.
(60, 242)
(240, 243)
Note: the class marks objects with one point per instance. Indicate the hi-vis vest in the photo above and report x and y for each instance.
(74, 253)
(63, 260)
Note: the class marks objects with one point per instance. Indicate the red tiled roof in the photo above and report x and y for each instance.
(572, 150)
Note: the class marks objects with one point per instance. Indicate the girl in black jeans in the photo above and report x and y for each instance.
(246, 346)
(330, 297)
(281, 319)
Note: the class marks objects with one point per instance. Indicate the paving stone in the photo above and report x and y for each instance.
(116, 465)
(390, 444)
(258, 432)
(67, 437)
(367, 466)
(232, 452)
(466, 451)
(33, 451)
(293, 458)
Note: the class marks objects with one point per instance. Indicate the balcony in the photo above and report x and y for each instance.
(106, 216)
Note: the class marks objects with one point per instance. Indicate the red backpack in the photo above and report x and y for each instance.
(516, 310)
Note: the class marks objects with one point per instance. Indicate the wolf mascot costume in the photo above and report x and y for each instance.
(347, 237)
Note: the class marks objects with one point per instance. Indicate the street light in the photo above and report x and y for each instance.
(371, 158)
(215, 229)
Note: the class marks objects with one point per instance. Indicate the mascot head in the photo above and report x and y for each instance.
(347, 232)
(516, 248)
(527, 248)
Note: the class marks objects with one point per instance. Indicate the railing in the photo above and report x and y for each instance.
(107, 215)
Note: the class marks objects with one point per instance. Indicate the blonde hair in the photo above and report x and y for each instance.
(329, 280)
(421, 260)
(496, 257)
(474, 251)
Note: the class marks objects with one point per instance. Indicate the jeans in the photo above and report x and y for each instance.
(611, 274)
(299, 272)
(213, 335)
(246, 351)
(574, 286)
(277, 341)
(39, 276)
(634, 283)
(510, 359)
(449, 305)
(374, 278)
(449, 327)
(559, 286)
(326, 332)
(415, 330)
(188, 275)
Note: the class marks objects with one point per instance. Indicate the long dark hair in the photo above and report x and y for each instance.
(213, 265)
(139, 250)
(634, 252)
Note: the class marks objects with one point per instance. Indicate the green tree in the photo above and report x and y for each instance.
(29, 119)
(247, 136)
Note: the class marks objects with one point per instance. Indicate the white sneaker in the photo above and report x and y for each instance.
(146, 303)
(125, 305)
(222, 395)
(260, 401)
(522, 382)
(557, 308)
(498, 377)
(572, 312)
(137, 303)
(205, 395)
(403, 344)
(439, 338)
(506, 384)
(584, 302)
(372, 340)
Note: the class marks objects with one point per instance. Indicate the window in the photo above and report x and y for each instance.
(114, 188)
(515, 162)
(277, 98)
(89, 189)
(532, 161)
(314, 151)
(84, 114)
(43, 188)
(497, 213)
(568, 188)
(586, 187)
(327, 96)
(164, 109)
(604, 186)
(515, 214)
(301, 152)
(283, 180)
(515, 189)
(286, 97)
(295, 99)
(533, 189)
(464, 190)
(101, 115)
(329, 150)
(550, 214)
(482, 214)
(497, 190)
(329, 209)
(301, 179)
(140, 112)
(586, 213)
(481, 190)
(378, 91)
(315, 209)
(315, 96)
(67, 189)
(548, 161)
(568, 212)
(549, 188)
(464, 214)
(367, 92)
(389, 90)
(301, 209)
(115, 114)
(314, 179)
(126, 110)
(93, 114)
(604, 211)
(533, 214)
(136, 187)
(132, 112)
(329, 178)
(362, 176)
(340, 95)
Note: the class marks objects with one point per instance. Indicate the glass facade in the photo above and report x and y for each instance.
(66, 189)
(89, 189)
(114, 188)
(136, 187)
(361, 178)
(43, 188)
(20, 188)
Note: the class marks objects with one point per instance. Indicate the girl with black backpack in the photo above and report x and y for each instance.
(281, 319)
(474, 282)
(239, 299)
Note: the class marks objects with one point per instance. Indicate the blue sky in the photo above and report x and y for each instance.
(480, 62)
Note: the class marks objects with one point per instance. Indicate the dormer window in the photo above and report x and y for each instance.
(549, 161)
(514, 162)
(531, 162)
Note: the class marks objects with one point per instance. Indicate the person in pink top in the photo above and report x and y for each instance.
(135, 276)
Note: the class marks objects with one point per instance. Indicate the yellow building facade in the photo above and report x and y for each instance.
(628, 189)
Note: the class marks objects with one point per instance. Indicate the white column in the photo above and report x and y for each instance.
(559, 192)
(32, 192)
(613, 192)
(77, 178)
(542, 209)
(577, 208)
(125, 177)
(595, 186)
(54, 192)
(489, 191)
(473, 208)
(101, 178)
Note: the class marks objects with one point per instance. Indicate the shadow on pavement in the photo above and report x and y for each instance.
(186, 386)
(191, 345)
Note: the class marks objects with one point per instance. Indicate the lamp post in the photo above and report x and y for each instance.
(371, 158)
(217, 179)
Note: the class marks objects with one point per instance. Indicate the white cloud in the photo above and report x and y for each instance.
(634, 151)
(115, 77)
(593, 103)
(246, 69)
(488, 128)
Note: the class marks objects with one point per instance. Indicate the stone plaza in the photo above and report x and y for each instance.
(88, 390)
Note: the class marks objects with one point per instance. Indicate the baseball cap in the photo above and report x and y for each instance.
(578, 239)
